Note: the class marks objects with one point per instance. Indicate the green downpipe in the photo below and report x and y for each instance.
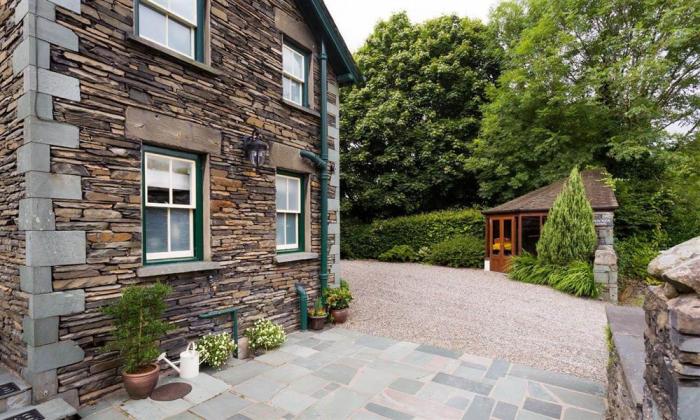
(322, 163)
(303, 306)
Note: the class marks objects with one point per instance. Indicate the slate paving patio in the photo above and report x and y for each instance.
(339, 373)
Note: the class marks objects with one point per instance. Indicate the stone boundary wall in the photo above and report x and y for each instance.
(670, 355)
(46, 246)
(625, 362)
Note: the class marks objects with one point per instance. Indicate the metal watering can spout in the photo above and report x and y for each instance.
(165, 359)
(189, 362)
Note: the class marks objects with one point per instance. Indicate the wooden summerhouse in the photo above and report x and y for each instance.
(515, 226)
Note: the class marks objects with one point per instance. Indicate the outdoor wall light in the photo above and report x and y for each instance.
(255, 148)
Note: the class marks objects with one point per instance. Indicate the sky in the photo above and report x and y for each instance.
(356, 18)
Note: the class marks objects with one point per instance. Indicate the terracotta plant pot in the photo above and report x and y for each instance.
(140, 385)
(316, 322)
(339, 315)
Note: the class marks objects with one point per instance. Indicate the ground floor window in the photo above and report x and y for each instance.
(172, 205)
(290, 212)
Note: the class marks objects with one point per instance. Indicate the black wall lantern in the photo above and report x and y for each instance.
(256, 149)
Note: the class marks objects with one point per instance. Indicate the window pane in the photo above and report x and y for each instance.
(163, 3)
(507, 237)
(280, 228)
(156, 230)
(151, 24)
(180, 229)
(293, 63)
(185, 8)
(496, 237)
(287, 89)
(179, 37)
(281, 193)
(291, 230)
(531, 234)
(182, 182)
(293, 195)
(296, 92)
(158, 179)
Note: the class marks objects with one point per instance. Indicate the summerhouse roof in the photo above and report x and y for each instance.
(599, 193)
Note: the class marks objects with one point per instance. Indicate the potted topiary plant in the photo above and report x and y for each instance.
(317, 316)
(338, 301)
(138, 328)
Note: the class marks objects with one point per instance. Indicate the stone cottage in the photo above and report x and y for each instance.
(194, 142)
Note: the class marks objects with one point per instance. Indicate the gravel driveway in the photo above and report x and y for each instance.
(481, 313)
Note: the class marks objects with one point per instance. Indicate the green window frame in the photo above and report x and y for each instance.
(172, 17)
(290, 214)
(291, 79)
(166, 202)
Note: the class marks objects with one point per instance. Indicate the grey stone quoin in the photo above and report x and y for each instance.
(46, 247)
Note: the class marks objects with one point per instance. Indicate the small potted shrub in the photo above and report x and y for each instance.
(264, 335)
(317, 316)
(138, 328)
(215, 349)
(338, 301)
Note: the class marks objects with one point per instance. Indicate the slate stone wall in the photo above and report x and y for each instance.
(13, 302)
(672, 336)
(620, 404)
(96, 81)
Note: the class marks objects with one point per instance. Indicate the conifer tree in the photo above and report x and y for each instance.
(569, 233)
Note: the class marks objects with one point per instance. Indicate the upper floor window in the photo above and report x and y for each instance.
(290, 212)
(174, 24)
(295, 75)
(172, 199)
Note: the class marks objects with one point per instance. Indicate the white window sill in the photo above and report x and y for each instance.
(295, 256)
(301, 108)
(177, 268)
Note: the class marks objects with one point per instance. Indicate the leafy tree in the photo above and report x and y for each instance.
(569, 233)
(613, 83)
(406, 131)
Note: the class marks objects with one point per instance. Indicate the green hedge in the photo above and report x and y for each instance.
(368, 241)
(458, 252)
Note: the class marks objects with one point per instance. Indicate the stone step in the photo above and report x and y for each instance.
(55, 409)
(17, 398)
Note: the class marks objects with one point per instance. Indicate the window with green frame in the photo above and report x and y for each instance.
(175, 24)
(295, 74)
(290, 191)
(171, 198)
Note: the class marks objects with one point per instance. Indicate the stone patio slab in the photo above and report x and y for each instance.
(221, 407)
(292, 401)
(337, 373)
(258, 388)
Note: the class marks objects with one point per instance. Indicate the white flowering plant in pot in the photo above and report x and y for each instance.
(215, 349)
(265, 335)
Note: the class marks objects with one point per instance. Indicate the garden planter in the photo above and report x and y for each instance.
(140, 385)
(316, 322)
(340, 315)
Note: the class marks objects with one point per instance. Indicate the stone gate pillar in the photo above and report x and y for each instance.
(672, 336)
(605, 264)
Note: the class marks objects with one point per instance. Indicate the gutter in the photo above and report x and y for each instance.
(321, 163)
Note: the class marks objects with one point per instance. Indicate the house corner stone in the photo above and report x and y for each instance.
(46, 247)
